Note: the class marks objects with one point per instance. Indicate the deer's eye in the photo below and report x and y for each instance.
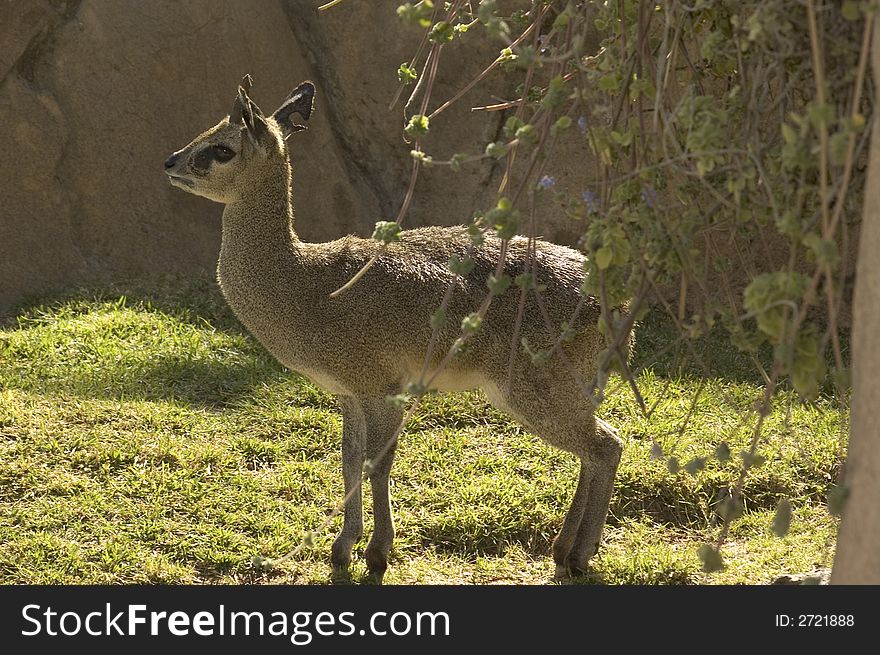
(222, 153)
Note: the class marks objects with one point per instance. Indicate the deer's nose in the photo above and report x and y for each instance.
(169, 163)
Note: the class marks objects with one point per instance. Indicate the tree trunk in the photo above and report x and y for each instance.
(858, 544)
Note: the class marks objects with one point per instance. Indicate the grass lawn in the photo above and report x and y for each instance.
(145, 438)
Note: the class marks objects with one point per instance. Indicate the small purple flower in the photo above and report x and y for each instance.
(546, 182)
(582, 124)
(649, 196)
(591, 200)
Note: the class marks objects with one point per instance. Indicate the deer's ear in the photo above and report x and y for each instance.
(235, 116)
(300, 101)
(246, 111)
(254, 122)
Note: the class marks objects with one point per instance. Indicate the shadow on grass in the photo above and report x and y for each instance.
(533, 538)
(658, 347)
(652, 575)
(201, 380)
(192, 299)
(211, 384)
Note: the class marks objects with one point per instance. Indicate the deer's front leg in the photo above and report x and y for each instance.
(353, 441)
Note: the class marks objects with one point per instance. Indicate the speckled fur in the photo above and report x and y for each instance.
(371, 340)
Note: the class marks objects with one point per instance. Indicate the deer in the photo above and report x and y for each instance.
(371, 342)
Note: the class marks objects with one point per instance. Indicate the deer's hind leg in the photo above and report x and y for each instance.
(383, 421)
(605, 453)
(563, 417)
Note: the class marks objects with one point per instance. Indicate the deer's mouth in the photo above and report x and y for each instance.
(180, 181)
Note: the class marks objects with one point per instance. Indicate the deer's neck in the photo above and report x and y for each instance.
(260, 252)
(260, 225)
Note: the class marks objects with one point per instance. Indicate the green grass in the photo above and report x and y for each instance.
(145, 438)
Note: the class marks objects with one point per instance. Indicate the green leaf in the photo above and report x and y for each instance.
(806, 364)
(418, 125)
(399, 400)
(406, 74)
(526, 134)
(262, 563)
(622, 138)
(788, 134)
(609, 83)
(524, 280)
(460, 266)
(511, 125)
(603, 257)
(751, 460)
(387, 231)
(838, 146)
(496, 150)
(561, 124)
(842, 378)
(506, 230)
(568, 333)
(540, 357)
(850, 10)
(767, 294)
(487, 10)
(782, 518)
(475, 234)
(498, 285)
(442, 32)
(556, 93)
(562, 21)
(524, 57)
(503, 219)
(729, 509)
(471, 323)
(418, 14)
(820, 115)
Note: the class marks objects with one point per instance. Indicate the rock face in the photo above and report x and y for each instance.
(95, 95)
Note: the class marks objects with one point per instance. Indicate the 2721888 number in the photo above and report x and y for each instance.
(825, 620)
